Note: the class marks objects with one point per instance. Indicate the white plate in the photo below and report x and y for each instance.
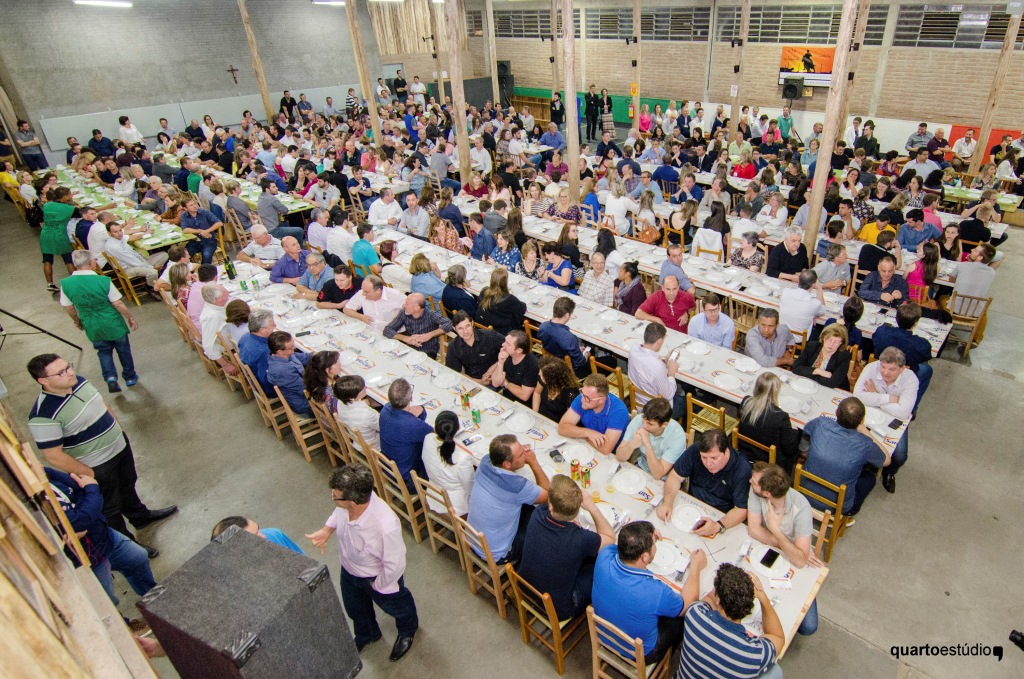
(875, 417)
(629, 481)
(631, 342)
(714, 277)
(686, 365)
(379, 380)
(414, 358)
(446, 380)
(347, 357)
(292, 323)
(699, 348)
(280, 288)
(758, 291)
(732, 271)
(519, 423)
(388, 345)
(685, 517)
(315, 341)
(595, 329)
(485, 399)
(665, 558)
(353, 328)
(609, 315)
(728, 381)
(579, 452)
(747, 364)
(804, 385)
(321, 314)
(778, 569)
(697, 263)
(830, 296)
(791, 404)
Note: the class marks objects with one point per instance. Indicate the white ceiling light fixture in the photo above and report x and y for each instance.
(120, 4)
(330, 3)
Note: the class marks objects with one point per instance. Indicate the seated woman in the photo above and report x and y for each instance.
(827, 360)
(598, 284)
(456, 295)
(565, 211)
(748, 255)
(236, 313)
(949, 245)
(181, 282)
(607, 246)
(476, 187)
(616, 207)
(498, 190)
(762, 420)
(557, 387)
(393, 273)
(319, 375)
(514, 227)
(536, 203)
(569, 245)
(444, 235)
(850, 186)
(775, 214)
(744, 169)
(426, 277)
(921, 278)
(712, 235)
(590, 197)
(559, 272)
(354, 411)
(529, 266)
(499, 308)
(505, 252)
(447, 466)
(630, 293)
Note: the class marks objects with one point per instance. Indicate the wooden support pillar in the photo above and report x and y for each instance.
(572, 128)
(257, 64)
(352, 14)
(998, 80)
(436, 40)
(554, 47)
(833, 125)
(737, 80)
(853, 61)
(451, 22)
(635, 122)
(492, 52)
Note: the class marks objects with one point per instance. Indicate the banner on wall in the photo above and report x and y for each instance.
(814, 64)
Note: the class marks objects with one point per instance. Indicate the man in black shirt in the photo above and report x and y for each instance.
(401, 88)
(207, 156)
(593, 112)
(508, 176)
(885, 244)
(340, 289)
(288, 105)
(516, 370)
(475, 351)
(841, 156)
(607, 143)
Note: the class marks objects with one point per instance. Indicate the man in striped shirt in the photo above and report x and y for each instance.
(76, 432)
(716, 645)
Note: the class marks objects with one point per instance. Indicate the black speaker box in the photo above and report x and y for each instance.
(245, 608)
(504, 68)
(506, 88)
(793, 87)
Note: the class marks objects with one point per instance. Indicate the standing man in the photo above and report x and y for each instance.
(95, 306)
(75, 432)
(401, 88)
(31, 150)
(593, 110)
(372, 555)
(418, 91)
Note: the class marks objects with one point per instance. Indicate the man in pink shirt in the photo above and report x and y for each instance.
(194, 307)
(372, 558)
(669, 306)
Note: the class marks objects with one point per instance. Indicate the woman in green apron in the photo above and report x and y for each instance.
(53, 238)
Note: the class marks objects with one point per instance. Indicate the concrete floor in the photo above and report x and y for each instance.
(933, 564)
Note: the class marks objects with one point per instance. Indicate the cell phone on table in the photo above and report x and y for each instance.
(769, 558)
(472, 439)
(556, 456)
(303, 333)
(895, 424)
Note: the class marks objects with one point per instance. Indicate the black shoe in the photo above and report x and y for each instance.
(113, 387)
(401, 647)
(155, 515)
(50, 287)
(151, 552)
(889, 482)
(360, 647)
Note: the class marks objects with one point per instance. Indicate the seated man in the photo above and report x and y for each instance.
(974, 278)
(359, 188)
(781, 517)
(843, 452)
(558, 554)
(374, 304)
(285, 367)
(673, 266)
(131, 261)
(263, 251)
(799, 306)
(718, 476)
(558, 340)
(342, 287)
(916, 349)
(887, 384)
(516, 370)
(364, 256)
(474, 351)
(211, 320)
(314, 278)
(595, 415)
(916, 231)
(176, 254)
(292, 265)
(501, 503)
(628, 596)
(885, 244)
(654, 374)
(884, 286)
(270, 210)
(832, 271)
(385, 211)
(789, 258)
(833, 235)
(711, 325)
(204, 226)
(768, 344)
(421, 326)
(653, 439)
(669, 306)
(254, 349)
(715, 643)
(402, 429)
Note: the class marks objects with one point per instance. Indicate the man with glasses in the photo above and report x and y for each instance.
(76, 433)
(372, 555)
(647, 185)
(596, 415)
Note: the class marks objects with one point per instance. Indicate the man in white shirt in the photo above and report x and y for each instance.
(654, 374)
(340, 240)
(851, 224)
(528, 120)
(415, 220)
(325, 195)
(317, 230)
(385, 211)
(965, 147)
(711, 325)
(888, 384)
(131, 261)
(480, 157)
(264, 250)
(974, 278)
(128, 133)
(798, 307)
(418, 91)
(289, 159)
(211, 320)
(852, 133)
(375, 304)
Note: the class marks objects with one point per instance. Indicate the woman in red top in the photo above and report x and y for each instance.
(744, 169)
(476, 187)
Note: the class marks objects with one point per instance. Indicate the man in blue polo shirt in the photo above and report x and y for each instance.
(502, 501)
(628, 595)
(204, 226)
(718, 477)
(558, 340)
(285, 368)
(253, 349)
(402, 429)
(595, 415)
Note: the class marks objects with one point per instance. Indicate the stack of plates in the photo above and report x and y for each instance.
(804, 385)
(629, 481)
(685, 517)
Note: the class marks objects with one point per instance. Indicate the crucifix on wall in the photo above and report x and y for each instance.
(234, 73)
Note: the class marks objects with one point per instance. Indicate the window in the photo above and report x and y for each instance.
(474, 23)
(996, 30)
(682, 24)
(961, 26)
(527, 23)
(797, 24)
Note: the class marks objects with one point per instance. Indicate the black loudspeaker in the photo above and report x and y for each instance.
(793, 87)
(504, 68)
(506, 88)
(245, 608)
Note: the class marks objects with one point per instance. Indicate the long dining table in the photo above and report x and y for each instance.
(623, 491)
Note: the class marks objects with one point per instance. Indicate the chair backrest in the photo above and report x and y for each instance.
(800, 476)
(703, 413)
(967, 309)
(615, 376)
(359, 269)
(530, 602)
(737, 437)
(743, 314)
(336, 447)
(474, 542)
(360, 452)
(918, 293)
(638, 398)
(801, 340)
(858, 277)
(531, 329)
(611, 646)
(122, 279)
(241, 236)
(708, 242)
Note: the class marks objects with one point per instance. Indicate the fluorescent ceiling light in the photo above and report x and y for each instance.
(330, 3)
(105, 3)
(386, 0)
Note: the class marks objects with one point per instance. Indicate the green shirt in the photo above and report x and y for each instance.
(53, 238)
(194, 180)
(92, 295)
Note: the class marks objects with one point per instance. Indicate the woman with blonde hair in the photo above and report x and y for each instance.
(826, 360)
(565, 211)
(986, 179)
(498, 190)
(589, 197)
(536, 203)
(426, 277)
(530, 265)
(181, 282)
(456, 295)
(444, 235)
(499, 308)
(764, 421)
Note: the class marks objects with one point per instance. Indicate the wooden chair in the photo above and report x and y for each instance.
(718, 254)
(176, 314)
(231, 353)
(361, 452)
(920, 294)
(669, 188)
(196, 340)
(801, 342)
(614, 375)
(482, 571)
(835, 506)
(701, 417)
(482, 326)
(359, 269)
(129, 285)
(610, 652)
(636, 393)
(968, 313)
(853, 374)
(536, 346)
(396, 493)
(764, 260)
(538, 618)
(334, 444)
(858, 277)
(305, 430)
(440, 527)
(743, 314)
(241, 236)
(737, 437)
(270, 408)
(667, 230)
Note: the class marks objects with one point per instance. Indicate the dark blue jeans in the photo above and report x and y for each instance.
(106, 348)
(35, 162)
(924, 378)
(207, 246)
(451, 184)
(296, 232)
(130, 560)
(359, 596)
